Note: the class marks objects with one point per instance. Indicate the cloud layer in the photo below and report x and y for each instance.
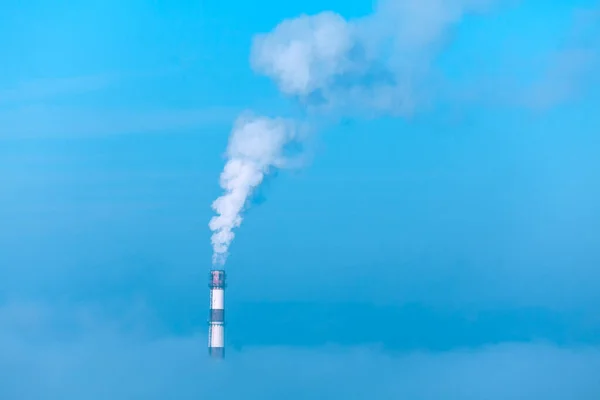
(96, 358)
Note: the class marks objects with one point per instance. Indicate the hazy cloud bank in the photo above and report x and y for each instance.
(102, 358)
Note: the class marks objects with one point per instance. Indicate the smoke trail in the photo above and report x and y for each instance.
(379, 63)
(256, 146)
(376, 63)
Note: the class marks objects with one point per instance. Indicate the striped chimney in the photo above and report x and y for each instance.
(216, 320)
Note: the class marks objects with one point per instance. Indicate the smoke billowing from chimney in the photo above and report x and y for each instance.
(376, 64)
(256, 146)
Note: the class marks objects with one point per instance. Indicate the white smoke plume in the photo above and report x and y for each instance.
(376, 63)
(256, 145)
(379, 62)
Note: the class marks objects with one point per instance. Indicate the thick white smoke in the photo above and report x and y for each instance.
(376, 63)
(256, 146)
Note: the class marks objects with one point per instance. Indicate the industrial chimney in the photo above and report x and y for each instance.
(216, 321)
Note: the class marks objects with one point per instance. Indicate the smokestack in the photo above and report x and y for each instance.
(216, 321)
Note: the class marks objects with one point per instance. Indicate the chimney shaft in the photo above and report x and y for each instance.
(216, 320)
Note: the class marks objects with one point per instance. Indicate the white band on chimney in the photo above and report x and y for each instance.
(217, 335)
(217, 299)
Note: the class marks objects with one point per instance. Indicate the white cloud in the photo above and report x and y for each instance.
(102, 361)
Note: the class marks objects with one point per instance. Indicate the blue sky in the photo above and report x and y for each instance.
(451, 252)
